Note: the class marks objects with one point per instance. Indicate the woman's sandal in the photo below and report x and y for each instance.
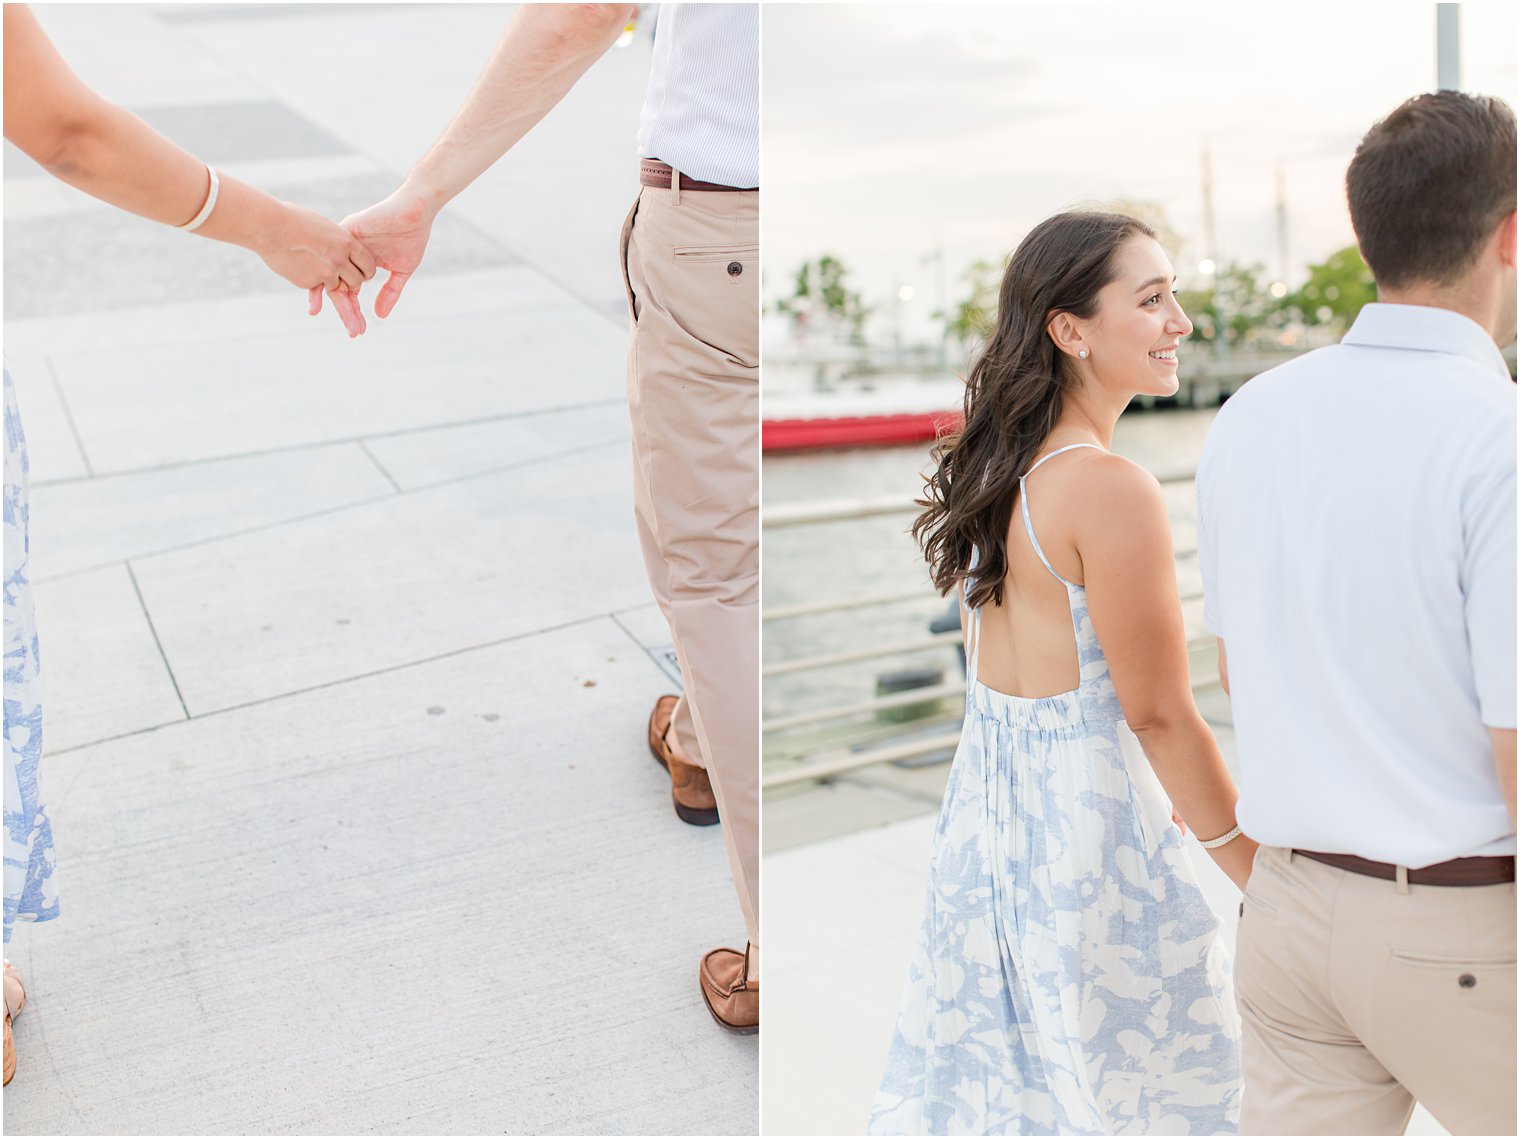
(15, 1001)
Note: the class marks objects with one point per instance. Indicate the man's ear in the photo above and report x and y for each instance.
(1507, 241)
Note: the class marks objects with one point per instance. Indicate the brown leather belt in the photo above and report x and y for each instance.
(1486, 871)
(657, 174)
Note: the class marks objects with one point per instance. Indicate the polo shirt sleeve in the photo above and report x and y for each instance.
(1488, 589)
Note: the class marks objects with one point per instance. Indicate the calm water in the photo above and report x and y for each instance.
(840, 560)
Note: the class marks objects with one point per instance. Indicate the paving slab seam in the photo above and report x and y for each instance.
(68, 416)
(131, 576)
(647, 650)
(543, 284)
(332, 510)
(618, 320)
(296, 448)
(44, 580)
(930, 802)
(573, 452)
(635, 608)
(865, 781)
(379, 466)
(192, 717)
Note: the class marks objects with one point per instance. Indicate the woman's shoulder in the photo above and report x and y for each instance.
(1102, 476)
(1114, 498)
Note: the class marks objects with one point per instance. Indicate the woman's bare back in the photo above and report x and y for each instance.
(1029, 648)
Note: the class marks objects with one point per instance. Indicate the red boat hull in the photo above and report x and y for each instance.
(857, 431)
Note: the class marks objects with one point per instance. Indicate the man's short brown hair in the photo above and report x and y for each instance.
(1429, 183)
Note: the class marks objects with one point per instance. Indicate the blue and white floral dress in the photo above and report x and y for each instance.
(1070, 977)
(30, 892)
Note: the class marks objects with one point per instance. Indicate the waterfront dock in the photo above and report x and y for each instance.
(848, 831)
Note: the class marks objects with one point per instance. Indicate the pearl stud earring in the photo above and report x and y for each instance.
(1082, 355)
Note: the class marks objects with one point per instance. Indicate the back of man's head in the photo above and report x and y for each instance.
(1429, 185)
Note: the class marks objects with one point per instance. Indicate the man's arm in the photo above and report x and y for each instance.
(1224, 667)
(542, 54)
(1487, 580)
(544, 51)
(1503, 742)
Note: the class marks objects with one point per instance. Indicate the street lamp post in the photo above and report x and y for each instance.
(1212, 260)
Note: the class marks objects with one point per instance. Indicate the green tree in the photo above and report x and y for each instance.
(1237, 307)
(1336, 290)
(819, 289)
(972, 319)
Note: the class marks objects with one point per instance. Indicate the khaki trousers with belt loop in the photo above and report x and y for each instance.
(691, 264)
(1359, 996)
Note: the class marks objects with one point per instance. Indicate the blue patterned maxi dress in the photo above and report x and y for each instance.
(1069, 977)
(30, 892)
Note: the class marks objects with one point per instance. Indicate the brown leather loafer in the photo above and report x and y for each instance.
(733, 1000)
(689, 789)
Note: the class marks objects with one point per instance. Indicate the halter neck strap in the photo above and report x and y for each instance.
(1024, 505)
(1058, 451)
(973, 639)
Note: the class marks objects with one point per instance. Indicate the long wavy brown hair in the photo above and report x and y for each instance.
(1014, 397)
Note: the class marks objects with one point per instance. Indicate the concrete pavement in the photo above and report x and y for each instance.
(347, 646)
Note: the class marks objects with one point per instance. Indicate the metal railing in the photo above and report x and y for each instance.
(830, 761)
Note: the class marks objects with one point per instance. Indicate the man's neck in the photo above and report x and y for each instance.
(1480, 305)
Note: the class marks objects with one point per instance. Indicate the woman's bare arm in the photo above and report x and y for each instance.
(1125, 543)
(111, 154)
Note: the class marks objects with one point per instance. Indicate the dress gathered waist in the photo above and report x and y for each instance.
(1064, 710)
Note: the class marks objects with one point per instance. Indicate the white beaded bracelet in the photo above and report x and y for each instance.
(195, 223)
(1233, 833)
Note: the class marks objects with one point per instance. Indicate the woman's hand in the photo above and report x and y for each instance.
(1236, 859)
(1123, 543)
(316, 254)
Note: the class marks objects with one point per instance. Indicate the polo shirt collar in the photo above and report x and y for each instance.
(1423, 328)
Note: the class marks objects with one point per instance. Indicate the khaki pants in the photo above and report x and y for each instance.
(691, 263)
(1360, 996)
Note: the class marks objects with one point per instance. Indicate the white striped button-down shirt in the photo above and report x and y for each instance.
(702, 112)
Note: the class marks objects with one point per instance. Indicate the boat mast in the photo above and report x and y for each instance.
(1448, 47)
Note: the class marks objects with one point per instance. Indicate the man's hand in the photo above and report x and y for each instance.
(396, 233)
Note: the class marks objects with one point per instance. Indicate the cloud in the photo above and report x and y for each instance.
(839, 76)
(890, 128)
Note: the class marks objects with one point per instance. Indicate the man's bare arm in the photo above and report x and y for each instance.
(1503, 742)
(544, 51)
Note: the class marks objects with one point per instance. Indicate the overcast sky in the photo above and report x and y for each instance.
(891, 128)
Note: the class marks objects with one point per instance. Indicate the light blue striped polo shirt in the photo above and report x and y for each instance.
(702, 112)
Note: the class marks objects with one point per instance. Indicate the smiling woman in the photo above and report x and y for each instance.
(1069, 310)
(1053, 937)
